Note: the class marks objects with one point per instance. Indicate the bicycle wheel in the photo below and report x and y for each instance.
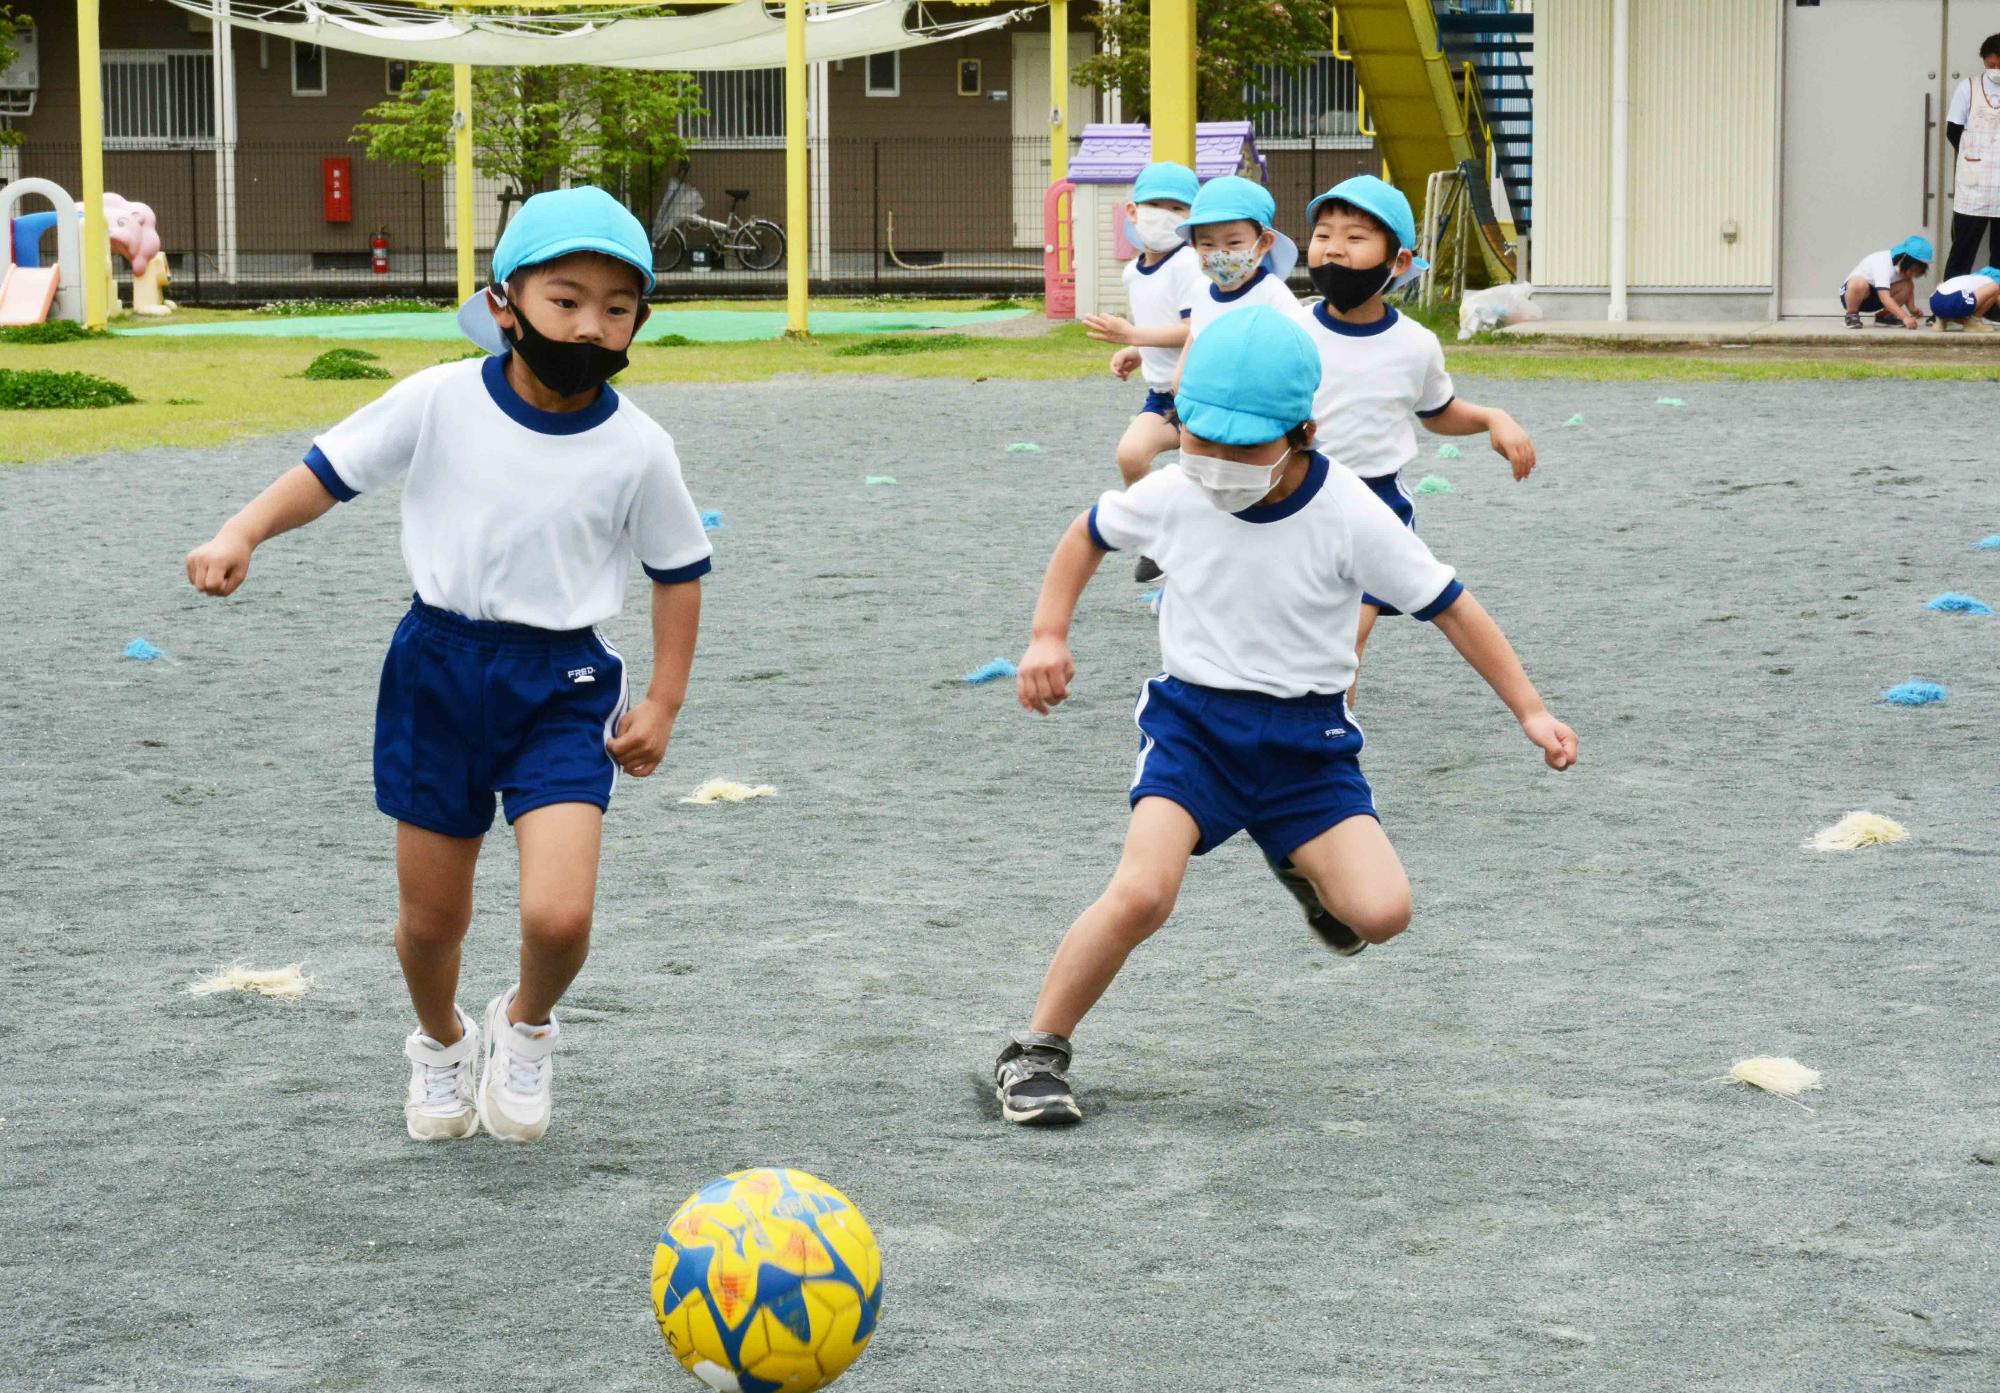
(760, 245)
(671, 252)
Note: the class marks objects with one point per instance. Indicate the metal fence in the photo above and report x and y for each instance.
(904, 215)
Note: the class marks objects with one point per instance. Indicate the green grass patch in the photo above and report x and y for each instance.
(345, 365)
(294, 309)
(38, 389)
(673, 341)
(906, 343)
(52, 331)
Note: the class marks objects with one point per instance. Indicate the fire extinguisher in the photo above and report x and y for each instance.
(379, 246)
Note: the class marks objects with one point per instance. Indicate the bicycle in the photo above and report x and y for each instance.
(758, 243)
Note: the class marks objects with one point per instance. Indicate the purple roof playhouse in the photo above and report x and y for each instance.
(1116, 154)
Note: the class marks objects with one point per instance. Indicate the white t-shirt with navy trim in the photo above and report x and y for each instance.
(1375, 380)
(1269, 599)
(1877, 268)
(513, 513)
(1161, 296)
(1211, 301)
(1960, 285)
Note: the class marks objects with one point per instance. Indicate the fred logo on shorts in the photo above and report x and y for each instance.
(580, 675)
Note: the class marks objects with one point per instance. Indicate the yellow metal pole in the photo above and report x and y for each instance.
(798, 193)
(1058, 90)
(96, 268)
(1173, 85)
(461, 125)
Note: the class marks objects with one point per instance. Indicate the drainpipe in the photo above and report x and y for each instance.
(1621, 191)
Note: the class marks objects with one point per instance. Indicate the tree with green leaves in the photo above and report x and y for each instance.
(533, 127)
(1232, 39)
(11, 26)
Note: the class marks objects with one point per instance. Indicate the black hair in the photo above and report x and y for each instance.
(1990, 47)
(1906, 262)
(522, 273)
(1296, 437)
(1395, 242)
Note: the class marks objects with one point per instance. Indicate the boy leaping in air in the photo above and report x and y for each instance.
(528, 487)
(1270, 548)
(1160, 285)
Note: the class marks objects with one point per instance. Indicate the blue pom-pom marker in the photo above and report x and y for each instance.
(1914, 693)
(711, 522)
(143, 652)
(992, 672)
(1987, 544)
(1951, 602)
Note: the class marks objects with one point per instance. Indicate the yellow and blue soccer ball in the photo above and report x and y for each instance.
(767, 1281)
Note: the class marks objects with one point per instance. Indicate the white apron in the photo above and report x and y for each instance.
(1976, 187)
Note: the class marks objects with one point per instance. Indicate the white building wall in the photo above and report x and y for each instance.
(1703, 156)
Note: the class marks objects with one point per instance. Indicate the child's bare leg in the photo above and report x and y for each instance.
(559, 846)
(1366, 626)
(1138, 900)
(434, 909)
(1146, 438)
(1856, 294)
(1358, 877)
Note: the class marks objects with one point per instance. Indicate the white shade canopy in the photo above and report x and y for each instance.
(741, 35)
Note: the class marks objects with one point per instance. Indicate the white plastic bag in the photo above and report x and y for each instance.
(1487, 309)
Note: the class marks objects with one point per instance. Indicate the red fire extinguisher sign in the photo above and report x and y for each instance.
(337, 187)
(378, 248)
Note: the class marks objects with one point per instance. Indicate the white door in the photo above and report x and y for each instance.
(1860, 158)
(1028, 94)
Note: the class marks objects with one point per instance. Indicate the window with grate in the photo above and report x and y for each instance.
(1315, 103)
(158, 100)
(746, 107)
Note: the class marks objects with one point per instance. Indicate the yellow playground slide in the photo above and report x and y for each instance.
(1421, 121)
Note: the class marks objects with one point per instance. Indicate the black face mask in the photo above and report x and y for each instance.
(1349, 287)
(569, 369)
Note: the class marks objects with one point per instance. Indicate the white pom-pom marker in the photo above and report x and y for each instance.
(1856, 830)
(728, 791)
(286, 983)
(1785, 1077)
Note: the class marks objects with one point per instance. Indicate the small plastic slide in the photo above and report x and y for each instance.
(26, 294)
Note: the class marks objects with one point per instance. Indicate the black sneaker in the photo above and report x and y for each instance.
(1884, 317)
(1031, 1079)
(1147, 571)
(1853, 320)
(1331, 931)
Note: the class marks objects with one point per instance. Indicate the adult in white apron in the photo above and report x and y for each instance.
(1972, 124)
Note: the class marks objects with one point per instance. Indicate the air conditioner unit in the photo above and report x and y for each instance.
(21, 79)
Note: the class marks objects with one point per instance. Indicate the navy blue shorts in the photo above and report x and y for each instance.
(1389, 488)
(1959, 304)
(470, 708)
(1284, 770)
(1873, 302)
(1160, 404)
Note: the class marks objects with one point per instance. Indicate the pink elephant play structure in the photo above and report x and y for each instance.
(31, 292)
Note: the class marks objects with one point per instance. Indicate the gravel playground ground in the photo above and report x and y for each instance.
(1494, 1154)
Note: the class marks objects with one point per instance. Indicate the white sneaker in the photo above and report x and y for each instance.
(515, 1086)
(439, 1104)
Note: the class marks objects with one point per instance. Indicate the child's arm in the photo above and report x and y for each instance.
(641, 741)
(1479, 641)
(295, 498)
(1461, 417)
(1046, 667)
(1109, 328)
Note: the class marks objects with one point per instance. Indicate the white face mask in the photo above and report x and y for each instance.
(1156, 229)
(1230, 485)
(1229, 267)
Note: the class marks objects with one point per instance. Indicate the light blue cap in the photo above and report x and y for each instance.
(554, 224)
(1992, 273)
(1168, 180)
(1918, 247)
(1249, 377)
(1232, 198)
(1385, 203)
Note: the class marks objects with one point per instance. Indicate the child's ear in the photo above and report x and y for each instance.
(496, 303)
(1403, 260)
(1266, 240)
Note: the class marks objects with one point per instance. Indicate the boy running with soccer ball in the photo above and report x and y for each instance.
(528, 487)
(1271, 549)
